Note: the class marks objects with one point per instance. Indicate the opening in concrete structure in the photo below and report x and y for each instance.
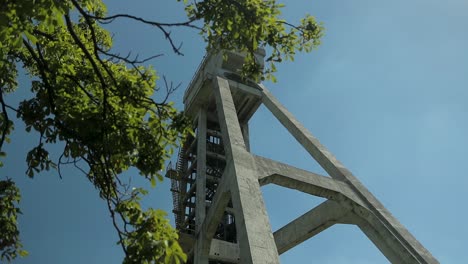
(226, 230)
(284, 205)
(340, 244)
(335, 244)
(269, 139)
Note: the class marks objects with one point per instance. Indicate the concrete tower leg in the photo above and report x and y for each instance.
(254, 235)
(201, 252)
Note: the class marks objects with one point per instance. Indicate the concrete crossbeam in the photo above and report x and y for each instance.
(308, 225)
(219, 250)
(224, 251)
(245, 88)
(281, 174)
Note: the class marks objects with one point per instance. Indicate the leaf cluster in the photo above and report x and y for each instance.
(247, 25)
(148, 242)
(99, 105)
(10, 245)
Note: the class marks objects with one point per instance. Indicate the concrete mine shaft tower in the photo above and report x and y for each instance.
(218, 206)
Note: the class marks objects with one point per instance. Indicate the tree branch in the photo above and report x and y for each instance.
(160, 26)
(6, 120)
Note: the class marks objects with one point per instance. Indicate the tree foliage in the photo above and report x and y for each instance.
(78, 83)
(251, 24)
(10, 245)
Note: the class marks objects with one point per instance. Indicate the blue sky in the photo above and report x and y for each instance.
(386, 92)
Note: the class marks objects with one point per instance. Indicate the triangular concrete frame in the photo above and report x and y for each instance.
(348, 201)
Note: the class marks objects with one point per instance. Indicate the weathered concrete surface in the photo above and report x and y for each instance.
(245, 134)
(224, 251)
(200, 256)
(219, 250)
(309, 224)
(385, 241)
(200, 208)
(382, 219)
(254, 233)
(270, 171)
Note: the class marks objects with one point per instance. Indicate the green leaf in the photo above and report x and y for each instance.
(31, 37)
(153, 181)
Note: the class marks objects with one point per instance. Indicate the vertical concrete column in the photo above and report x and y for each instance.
(201, 256)
(200, 209)
(245, 133)
(254, 235)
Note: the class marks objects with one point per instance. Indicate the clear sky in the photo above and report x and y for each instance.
(386, 92)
